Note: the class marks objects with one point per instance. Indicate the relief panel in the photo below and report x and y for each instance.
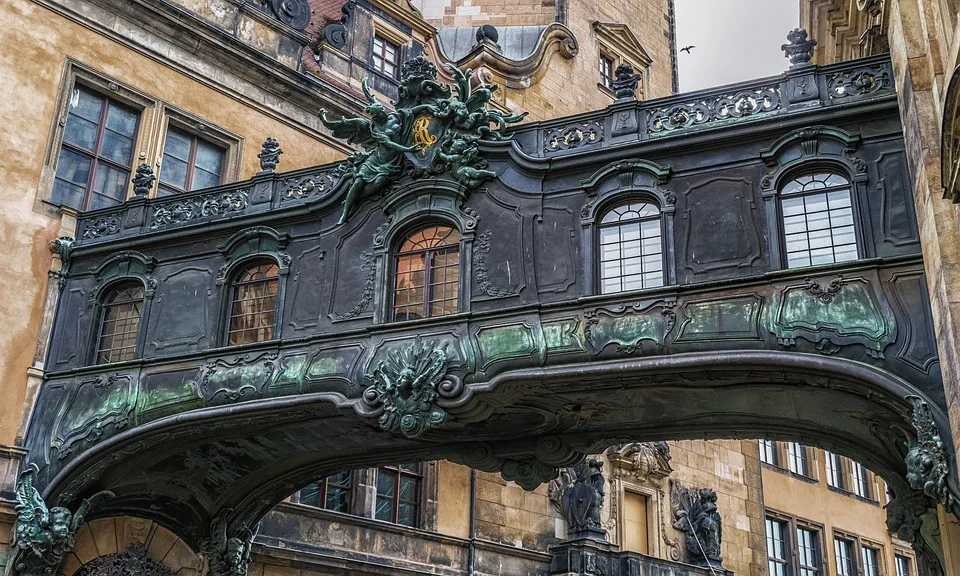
(626, 327)
(721, 231)
(556, 249)
(498, 343)
(166, 393)
(354, 269)
(499, 248)
(563, 336)
(725, 318)
(69, 328)
(306, 288)
(832, 313)
(101, 405)
(243, 378)
(180, 315)
(333, 368)
(919, 349)
(897, 222)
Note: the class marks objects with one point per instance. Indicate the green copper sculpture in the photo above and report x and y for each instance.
(429, 132)
(43, 536)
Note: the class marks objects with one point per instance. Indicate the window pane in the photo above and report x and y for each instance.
(818, 228)
(204, 179)
(121, 120)
(116, 147)
(80, 132)
(630, 256)
(253, 307)
(177, 144)
(109, 187)
(427, 274)
(119, 326)
(86, 104)
(209, 157)
(70, 185)
(174, 172)
(808, 552)
(310, 495)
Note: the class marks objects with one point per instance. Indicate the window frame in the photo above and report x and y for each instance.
(853, 559)
(399, 474)
(323, 487)
(231, 143)
(793, 526)
(786, 543)
(235, 271)
(910, 563)
(798, 456)
(191, 163)
(78, 74)
(820, 569)
(105, 292)
(812, 169)
(769, 454)
(607, 208)
(395, 254)
(385, 41)
(605, 57)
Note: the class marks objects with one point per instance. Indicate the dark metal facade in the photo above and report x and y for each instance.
(540, 368)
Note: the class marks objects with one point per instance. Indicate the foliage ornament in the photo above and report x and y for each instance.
(143, 180)
(228, 553)
(625, 82)
(926, 458)
(408, 387)
(43, 536)
(429, 132)
(269, 155)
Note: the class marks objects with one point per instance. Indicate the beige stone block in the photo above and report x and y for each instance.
(85, 547)
(160, 544)
(70, 564)
(271, 570)
(104, 535)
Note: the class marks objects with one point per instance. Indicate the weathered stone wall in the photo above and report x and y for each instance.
(495, 12)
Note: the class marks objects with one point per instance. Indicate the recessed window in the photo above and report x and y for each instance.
(768, 452)
(93, 168)
(631, 248)
(253, 306)
(902, 565)
(606, 70)
(797, 459)
(398, 494)
(120, 324)
(808, 552)
(427, 274)
(871, 561)
(818, 220)
(777, 546)
(846, 561)
(330, 493)
(834, 466)
(189, 163)
(635, 533)
(385, 56)
(861, 480)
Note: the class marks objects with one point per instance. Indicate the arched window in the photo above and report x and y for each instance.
(120, 324)
(818, 220)
(427, 274)
(631, 248)
(253, 304)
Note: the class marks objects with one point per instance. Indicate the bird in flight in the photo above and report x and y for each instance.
(687, 49)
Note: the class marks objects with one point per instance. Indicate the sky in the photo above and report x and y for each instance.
(735, 40)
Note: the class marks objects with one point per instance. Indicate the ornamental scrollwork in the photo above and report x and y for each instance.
(408, 387)
(133, 560)
(102, 226)
(926, 459)
(181, 211)
(822, 294)
(429, 132)
(858, 82)
(726, 107)
(43, 536)
(913, 517)
(312, 185)
(575, 136)
(368, 266)
(480, 251)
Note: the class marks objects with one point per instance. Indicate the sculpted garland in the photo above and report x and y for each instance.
(429, 132)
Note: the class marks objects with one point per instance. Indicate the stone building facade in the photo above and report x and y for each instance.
(227, 74)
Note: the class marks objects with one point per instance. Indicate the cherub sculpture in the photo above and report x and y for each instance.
(228, 555)
(43, 536)
(464, 156)
(383, 136)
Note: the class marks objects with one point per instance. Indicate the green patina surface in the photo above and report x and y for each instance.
(563, 335)
(97, 404)
(505, 342)
(290, 375)
(627, 331)
(851, 310)
(728, 319)
(173, 396)
(333, 363)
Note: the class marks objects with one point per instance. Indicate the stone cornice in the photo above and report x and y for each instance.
(621, 38)
(405, 12)
(194, 44)
(519, 74)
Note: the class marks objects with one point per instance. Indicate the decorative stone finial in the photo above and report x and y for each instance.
(798, 49)
(625, 82)
(143, 180)
(695, 513)
(489, 35)
(269, 155)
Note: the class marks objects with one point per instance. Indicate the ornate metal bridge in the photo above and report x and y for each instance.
(539, 344)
